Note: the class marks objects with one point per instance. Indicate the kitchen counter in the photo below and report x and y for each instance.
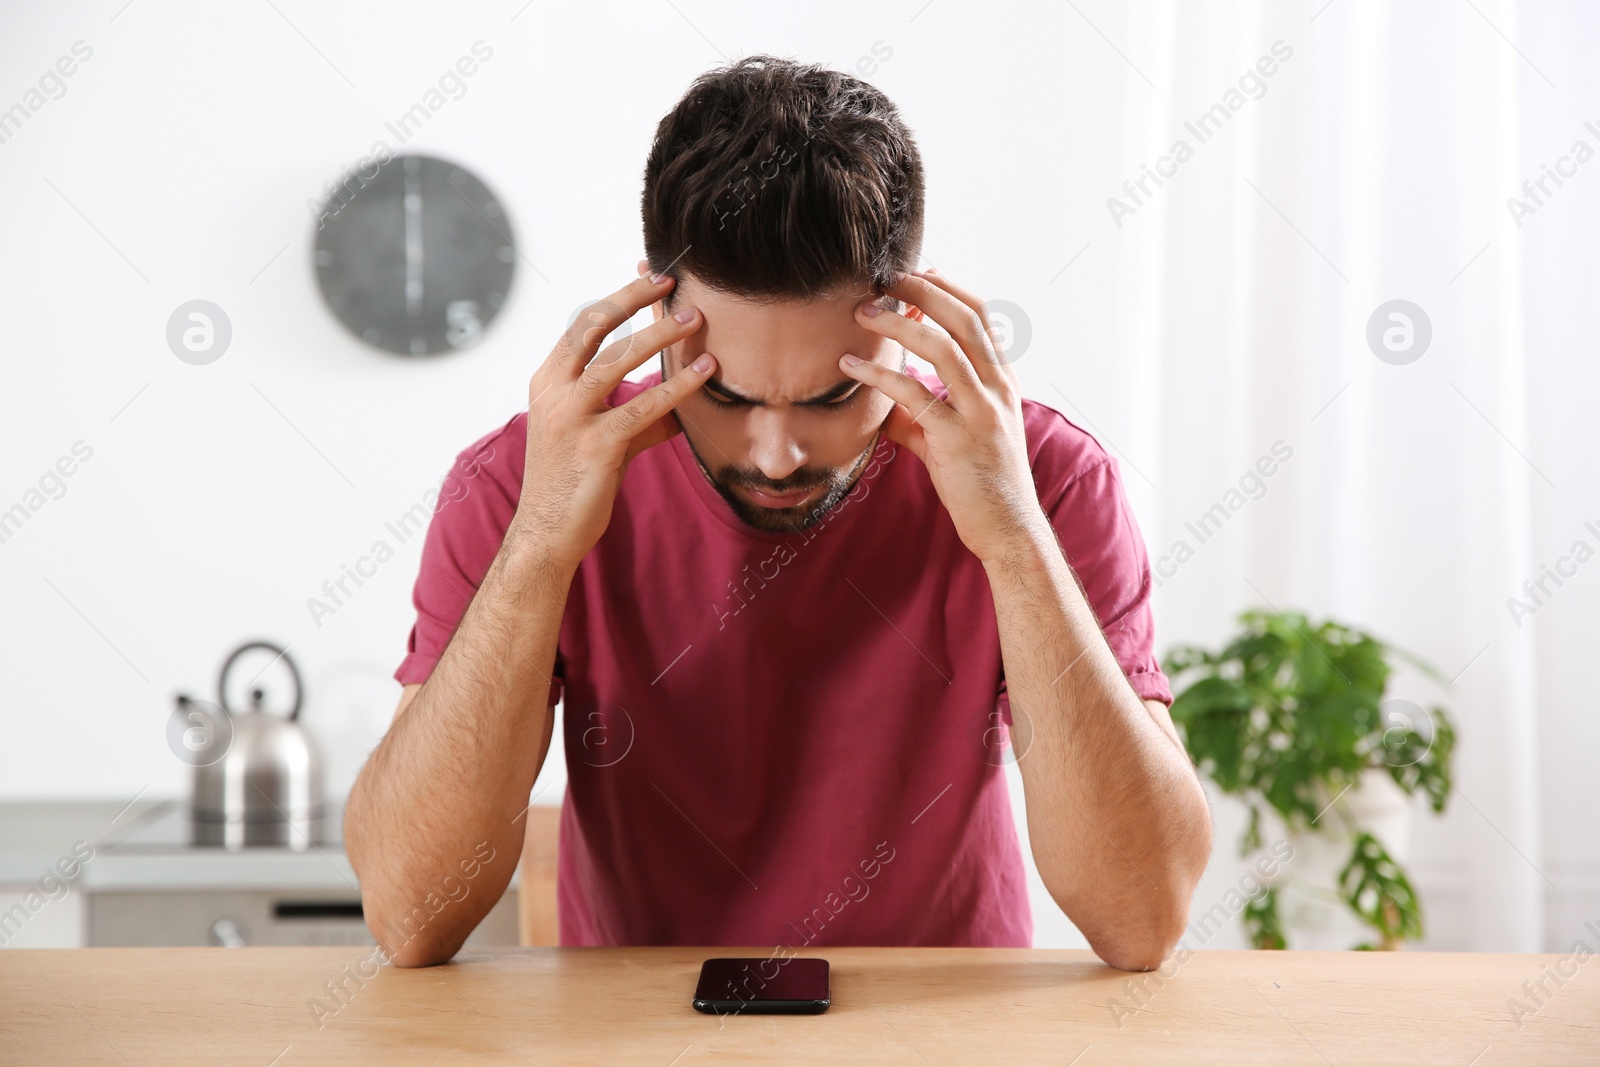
(144, 846)
(35, 834)
(257, 1006)
(137, 878)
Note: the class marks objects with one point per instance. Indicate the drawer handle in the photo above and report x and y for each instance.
(227, 934)
(318, 910)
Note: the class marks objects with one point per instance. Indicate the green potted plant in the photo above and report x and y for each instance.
(1290, 717)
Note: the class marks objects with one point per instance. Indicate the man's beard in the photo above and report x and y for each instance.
(795, 519)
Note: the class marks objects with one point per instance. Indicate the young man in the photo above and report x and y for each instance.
(797, 595)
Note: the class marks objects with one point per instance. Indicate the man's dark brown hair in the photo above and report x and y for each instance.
(773, 179)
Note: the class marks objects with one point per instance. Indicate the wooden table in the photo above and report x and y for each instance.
(890, 1005)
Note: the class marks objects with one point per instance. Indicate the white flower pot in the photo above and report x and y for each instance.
(1313, 914)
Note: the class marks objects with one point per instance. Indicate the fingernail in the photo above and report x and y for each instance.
(851, 360)
(701, 365)
(658, 278)
(685, 315)
(870, 310)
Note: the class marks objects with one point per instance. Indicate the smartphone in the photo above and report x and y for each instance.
(763, 984)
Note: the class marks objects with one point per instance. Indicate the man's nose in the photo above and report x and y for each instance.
(774, 448)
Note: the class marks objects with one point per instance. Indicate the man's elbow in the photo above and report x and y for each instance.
(408, 943)
(1142, 946)
(1141, 938)
(1134, 954)
(418, 952)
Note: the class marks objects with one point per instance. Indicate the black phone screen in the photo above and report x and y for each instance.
(762, 984)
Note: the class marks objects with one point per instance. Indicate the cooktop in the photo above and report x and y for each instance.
(168, 827)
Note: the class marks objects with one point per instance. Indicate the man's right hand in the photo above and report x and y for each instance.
(578, 446)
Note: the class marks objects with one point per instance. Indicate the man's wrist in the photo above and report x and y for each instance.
(529, 550)
(1032, 547)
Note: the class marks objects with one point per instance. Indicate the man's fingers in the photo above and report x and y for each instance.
(594, 323)
(643, 412)
(963, 357)
(929, 343)
(899, 428)
(663, 429)
(606, 371)
(903, 389)
(985, 344)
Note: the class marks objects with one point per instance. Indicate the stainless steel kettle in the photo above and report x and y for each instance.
(266, 789)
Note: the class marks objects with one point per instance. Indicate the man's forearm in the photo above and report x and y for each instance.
(456, 766)
(1118, 823)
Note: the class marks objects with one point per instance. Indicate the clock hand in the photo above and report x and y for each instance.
(413, 209)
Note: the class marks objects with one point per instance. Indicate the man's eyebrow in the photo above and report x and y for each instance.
(828, 395)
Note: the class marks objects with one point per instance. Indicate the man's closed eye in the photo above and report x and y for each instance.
(726, 402)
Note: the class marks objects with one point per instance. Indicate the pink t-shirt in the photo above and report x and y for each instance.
(788, 738)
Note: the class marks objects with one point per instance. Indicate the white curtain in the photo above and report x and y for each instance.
(1374, 163)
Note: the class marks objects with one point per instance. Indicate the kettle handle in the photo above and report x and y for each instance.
(283, 654)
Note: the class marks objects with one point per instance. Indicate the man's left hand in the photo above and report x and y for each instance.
(972, 441)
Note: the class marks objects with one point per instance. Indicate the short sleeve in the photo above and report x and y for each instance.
(1082, 493)
(475, 505)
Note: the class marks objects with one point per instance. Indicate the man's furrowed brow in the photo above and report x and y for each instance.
(828, 395)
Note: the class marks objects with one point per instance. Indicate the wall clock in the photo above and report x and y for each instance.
(415, 257)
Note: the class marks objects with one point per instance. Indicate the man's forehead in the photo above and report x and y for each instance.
(780, 351)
